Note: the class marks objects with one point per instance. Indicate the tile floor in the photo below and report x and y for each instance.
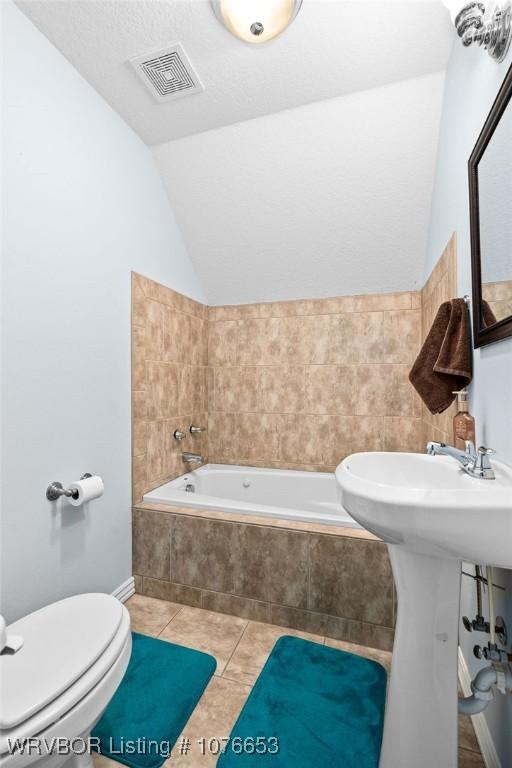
(241, 648)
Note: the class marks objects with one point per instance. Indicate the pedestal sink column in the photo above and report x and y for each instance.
(420, 729)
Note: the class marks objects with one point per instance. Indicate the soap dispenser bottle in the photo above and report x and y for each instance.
(463, 422)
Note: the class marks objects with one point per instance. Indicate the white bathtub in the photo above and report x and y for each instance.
(289, 494)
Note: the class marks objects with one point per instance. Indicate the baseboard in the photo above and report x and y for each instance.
(483, 734)
(126, 590)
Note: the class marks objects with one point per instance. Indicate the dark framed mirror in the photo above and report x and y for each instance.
(490, 196)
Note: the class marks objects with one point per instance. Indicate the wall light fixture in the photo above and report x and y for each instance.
(493, 34)
(256, 21)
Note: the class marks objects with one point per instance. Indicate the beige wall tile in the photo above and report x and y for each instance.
(282, 389)
(237, 389)
(385, 390)
(162, 390)
(140, 437)
(258, 342)
(356, 337)
(223, 435)
(401, 337)
(155, 314)
(138, 302)
(303, 439)
(156, 450)
(258, 436)
(138, 358)
(139, 405)
(330, 389)
(402, 434)
(223, 342)
(351, 434)
(304, 340)
(192, 389)
(177, 335)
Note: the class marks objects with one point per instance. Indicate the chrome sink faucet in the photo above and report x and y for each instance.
(192, 458)
(475, 462)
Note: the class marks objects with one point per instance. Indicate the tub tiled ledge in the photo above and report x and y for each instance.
(324, 579)
(272, 522)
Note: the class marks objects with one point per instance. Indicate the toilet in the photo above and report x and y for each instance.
(59, 668)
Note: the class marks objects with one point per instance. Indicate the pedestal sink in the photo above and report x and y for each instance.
(432, 515)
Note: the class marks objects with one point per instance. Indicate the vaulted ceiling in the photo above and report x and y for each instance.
(305, 166)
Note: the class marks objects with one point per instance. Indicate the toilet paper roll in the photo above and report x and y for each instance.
(86, 490)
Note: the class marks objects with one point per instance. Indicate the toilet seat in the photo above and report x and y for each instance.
(82, 657)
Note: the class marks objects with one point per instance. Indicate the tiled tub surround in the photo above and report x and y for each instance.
(440, 286)
(293, 384)
(302, 384)
(169, 381)
(327, 580)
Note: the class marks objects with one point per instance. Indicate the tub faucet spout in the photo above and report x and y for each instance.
(192, 458)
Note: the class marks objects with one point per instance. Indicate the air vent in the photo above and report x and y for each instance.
(168, 73)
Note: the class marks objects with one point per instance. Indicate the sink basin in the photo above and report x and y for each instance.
(432, 515)
(429, 504)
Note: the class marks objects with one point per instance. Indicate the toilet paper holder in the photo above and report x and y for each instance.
(55, 490)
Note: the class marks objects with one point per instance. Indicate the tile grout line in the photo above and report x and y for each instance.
(236, 646)
(171, 620)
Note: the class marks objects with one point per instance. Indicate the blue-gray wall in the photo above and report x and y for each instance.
(472, 82)
(83, 204)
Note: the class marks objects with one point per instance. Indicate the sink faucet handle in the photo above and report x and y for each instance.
(481, 466)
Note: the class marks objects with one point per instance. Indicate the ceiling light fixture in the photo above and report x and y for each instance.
(256, 21)
(493, 35)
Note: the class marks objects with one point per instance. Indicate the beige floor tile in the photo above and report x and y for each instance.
(467, 736)
(253, 649)
(215, 633)
(213, 718)
(149, 616)
(383, 657)
(470, 759)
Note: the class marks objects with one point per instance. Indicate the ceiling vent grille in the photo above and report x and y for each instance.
(168, 73)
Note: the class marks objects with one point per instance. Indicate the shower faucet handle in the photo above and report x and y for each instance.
(196, 430)
(179, 435)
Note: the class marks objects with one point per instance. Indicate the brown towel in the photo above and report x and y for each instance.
(444, 364)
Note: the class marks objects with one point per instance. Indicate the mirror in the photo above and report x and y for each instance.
(490, 189)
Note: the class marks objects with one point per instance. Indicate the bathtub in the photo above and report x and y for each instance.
(289, 494)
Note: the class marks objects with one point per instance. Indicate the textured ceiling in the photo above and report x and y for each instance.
(305, 168)
(329, 198)
(334, 47)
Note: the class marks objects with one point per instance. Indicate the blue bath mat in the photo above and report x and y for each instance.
(311, 707)
(157, 695)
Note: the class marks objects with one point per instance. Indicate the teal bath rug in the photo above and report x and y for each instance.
(311, 707)
(157, 695)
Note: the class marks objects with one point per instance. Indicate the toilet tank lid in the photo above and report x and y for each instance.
(60, 643)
